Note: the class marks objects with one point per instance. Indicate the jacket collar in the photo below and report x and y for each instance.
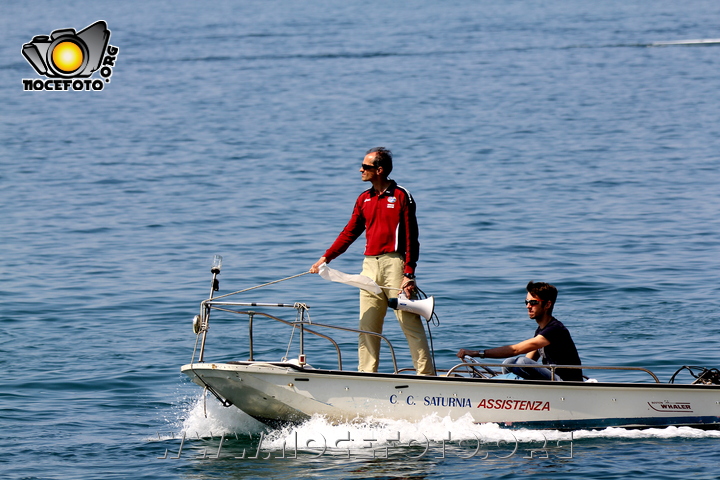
(389, 191)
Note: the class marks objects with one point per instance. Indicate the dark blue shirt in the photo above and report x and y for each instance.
(561, 350)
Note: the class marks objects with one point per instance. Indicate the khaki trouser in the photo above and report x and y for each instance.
(387, 270)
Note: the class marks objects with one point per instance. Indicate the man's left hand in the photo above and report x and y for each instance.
(408, 287)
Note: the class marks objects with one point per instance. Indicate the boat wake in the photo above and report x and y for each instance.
(206, 418)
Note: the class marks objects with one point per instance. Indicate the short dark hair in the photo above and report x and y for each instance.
(543, 291)
(383, 158)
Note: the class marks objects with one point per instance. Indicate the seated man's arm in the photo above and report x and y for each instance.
(534, 355)
(529, 346)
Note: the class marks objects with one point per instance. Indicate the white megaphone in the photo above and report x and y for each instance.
(424, 307)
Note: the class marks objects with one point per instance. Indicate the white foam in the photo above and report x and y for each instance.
(206, 417)
(436, 430)
(667, 432)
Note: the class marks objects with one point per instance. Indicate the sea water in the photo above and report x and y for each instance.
(545, 141)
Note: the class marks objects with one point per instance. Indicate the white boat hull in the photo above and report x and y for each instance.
(283, 392)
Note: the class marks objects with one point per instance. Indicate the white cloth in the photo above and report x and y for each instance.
(359, 281)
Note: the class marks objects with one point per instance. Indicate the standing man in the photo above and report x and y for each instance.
(552, 342)
(386, 213)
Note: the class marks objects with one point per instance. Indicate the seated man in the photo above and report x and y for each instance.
(552, 341)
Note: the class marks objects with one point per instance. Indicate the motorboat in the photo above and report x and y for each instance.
(290, 390)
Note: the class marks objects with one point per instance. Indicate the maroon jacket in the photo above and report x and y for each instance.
(389, 223)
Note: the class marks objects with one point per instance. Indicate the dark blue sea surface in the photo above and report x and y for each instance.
(547, 141)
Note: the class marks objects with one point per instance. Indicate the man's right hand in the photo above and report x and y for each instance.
(465, 352)
(316, 266)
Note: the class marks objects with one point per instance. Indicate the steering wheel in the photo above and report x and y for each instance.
(474, 370)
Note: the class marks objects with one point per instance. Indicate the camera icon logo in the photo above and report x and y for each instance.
(66, 53)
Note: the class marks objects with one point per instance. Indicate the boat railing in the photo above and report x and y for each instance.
(301, 324)
(552, 368)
